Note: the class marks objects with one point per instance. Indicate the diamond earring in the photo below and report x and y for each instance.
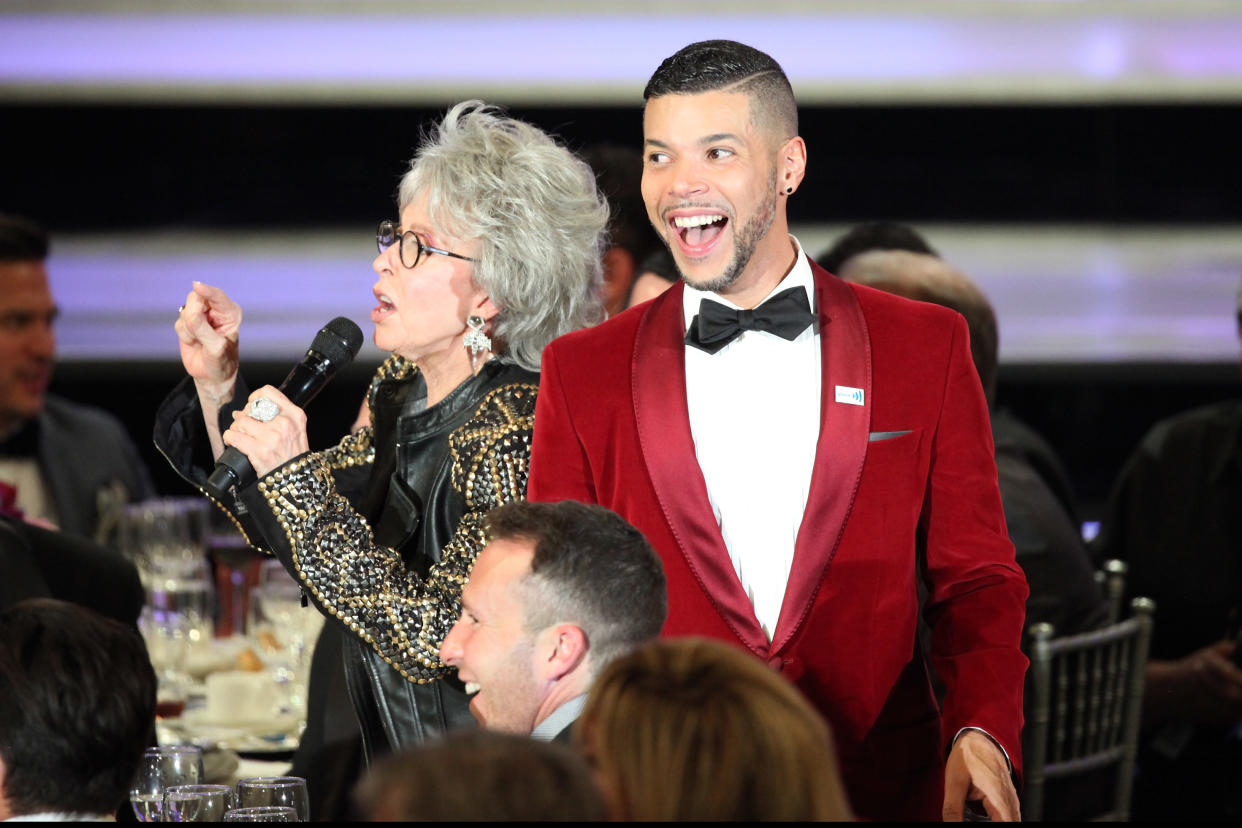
(476, 341)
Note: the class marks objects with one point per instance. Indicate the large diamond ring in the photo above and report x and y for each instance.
(263, 410)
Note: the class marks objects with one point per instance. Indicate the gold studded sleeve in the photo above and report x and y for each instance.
(367, 586)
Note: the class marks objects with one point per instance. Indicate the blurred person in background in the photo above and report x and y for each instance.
(481, 776)
(872, 235)
(631, 240)
(68, 465)
(495, 252)
(1175, 517)
(560, 590)
(77, 709)
(693, 729)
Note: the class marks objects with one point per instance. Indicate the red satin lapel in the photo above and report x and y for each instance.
(663, 420)
(839, 455)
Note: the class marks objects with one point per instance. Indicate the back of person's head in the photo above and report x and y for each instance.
(930, 279)
(77, 708)
(481, 775)
(590, 568)
(693, 729)
(873, 235)
(726, 65)
(631, 238)
(21, 240)
(536, 211)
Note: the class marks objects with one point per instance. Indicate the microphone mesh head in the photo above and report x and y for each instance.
(338, 341)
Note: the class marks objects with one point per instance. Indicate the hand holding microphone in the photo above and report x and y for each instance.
(271, 430)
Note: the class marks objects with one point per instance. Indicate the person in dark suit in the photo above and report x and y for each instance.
(72, 465)
(800, 452)
(37, 562)
(559, 592)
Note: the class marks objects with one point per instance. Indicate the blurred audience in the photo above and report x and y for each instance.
(656, 274)
(631, 239)
(77, 708)
(481, 776)
(1175, 517)
(1047, 540)
(44, 563)
(874, 235)
(71, 466)
(560, 590)
(694, 729)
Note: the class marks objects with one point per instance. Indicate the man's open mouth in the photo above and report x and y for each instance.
(700, 231)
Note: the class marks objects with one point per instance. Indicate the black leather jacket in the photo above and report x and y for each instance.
(423, 478)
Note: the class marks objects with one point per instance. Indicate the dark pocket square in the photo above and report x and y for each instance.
(876, 436)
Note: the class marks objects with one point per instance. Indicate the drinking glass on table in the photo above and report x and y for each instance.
(262, 813)
(161, 768)
(289, 791)
(197, 803)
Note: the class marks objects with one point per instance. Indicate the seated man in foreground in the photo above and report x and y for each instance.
(560, 590)
(77, 709)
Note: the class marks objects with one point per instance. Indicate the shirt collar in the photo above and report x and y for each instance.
(559, 719)
(798, 275)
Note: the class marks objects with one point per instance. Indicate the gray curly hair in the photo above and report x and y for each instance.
(536, 211)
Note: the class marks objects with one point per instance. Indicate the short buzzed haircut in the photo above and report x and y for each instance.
(590, 568)
(21, 240)
(711, 65)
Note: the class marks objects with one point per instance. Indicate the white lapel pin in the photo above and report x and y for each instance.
(849, 396)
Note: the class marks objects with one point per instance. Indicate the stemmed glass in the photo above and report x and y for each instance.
(161, 768)
(289, 791)
(262, 813)
(197, 803)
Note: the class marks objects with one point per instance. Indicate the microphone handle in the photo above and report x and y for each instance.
(303, 383)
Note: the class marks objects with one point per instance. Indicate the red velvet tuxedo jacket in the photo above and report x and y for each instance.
(904, 483)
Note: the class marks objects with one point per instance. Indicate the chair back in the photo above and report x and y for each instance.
(1112, 580)
(1087, 693)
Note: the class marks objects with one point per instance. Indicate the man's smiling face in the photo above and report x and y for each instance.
(490, 646)
(710, 186)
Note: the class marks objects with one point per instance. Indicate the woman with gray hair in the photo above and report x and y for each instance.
(496, 252)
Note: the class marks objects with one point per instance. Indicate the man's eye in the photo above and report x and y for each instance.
(719, 153)
(658, 158)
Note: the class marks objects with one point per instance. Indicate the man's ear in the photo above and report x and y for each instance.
(792, 164)
(564, 649)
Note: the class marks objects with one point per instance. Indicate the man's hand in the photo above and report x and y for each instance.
(207, 328)
(1205, 686)
(977, 770)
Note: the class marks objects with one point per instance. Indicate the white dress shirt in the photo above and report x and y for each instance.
(754, 415)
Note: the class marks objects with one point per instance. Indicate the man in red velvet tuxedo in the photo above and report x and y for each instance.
(802, 453)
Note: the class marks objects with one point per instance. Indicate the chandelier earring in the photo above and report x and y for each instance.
(476, 341)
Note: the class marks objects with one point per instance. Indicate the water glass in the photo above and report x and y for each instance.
(161, 768)
(262, 813)
(197, 803)
(287, 791)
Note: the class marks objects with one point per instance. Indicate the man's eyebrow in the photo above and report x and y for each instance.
(656, 142)
(719, 136)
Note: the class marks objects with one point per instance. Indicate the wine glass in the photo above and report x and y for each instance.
(288, 791)
(159, 769)
(262, 813)
(197, 803)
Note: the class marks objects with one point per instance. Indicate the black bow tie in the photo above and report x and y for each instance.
(786, 314)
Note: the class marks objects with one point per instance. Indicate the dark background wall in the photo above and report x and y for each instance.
(128, 168)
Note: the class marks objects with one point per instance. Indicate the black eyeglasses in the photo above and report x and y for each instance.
(412, 245)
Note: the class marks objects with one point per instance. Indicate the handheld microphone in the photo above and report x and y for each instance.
(334, 347)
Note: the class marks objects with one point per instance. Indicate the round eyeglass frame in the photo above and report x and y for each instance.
(386, 236)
